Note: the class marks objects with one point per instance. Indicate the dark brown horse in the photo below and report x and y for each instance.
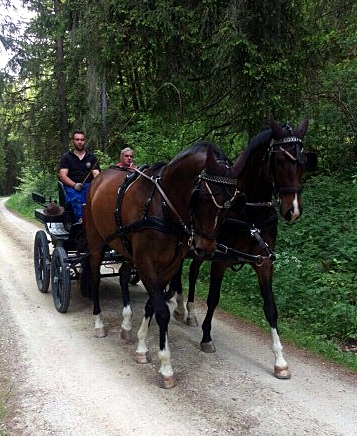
(159, 214)
(274, 161)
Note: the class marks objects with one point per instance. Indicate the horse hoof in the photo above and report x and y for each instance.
(167, 382)
(100, 332)
(142, 358)
(208, 347)
(125, 335)
(192, 322)
(282, 373)
(180, 317)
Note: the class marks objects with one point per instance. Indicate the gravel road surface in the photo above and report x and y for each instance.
(63, 381)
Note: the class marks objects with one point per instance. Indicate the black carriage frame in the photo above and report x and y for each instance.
(65, 263)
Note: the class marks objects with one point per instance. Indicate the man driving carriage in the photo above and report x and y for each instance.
(77, 168)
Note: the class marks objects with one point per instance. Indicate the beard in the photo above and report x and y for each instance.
(79, 147)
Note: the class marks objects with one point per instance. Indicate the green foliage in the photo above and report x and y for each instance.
(324, 289)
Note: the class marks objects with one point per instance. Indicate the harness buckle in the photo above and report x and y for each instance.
(190, 239)
(227, 204)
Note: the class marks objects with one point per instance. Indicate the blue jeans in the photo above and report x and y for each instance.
(76, 199)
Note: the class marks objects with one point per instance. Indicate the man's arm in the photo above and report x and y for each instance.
(63, 176)
(95, 173)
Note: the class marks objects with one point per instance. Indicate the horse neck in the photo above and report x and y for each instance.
(179, 177)
(256, 181)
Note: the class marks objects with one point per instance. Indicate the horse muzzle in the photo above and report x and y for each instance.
(204, 248)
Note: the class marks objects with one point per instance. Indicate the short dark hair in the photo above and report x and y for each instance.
(80, 132)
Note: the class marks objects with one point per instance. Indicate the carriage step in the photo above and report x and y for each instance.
(57, 229)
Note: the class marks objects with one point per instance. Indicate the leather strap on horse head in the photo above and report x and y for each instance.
(279, 145)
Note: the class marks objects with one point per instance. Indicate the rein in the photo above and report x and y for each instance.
(203, 177)
(167, 200)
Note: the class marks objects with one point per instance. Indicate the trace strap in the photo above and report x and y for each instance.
(164, 196)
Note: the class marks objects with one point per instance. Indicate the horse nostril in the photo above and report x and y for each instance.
(203, 254)
(200, 252)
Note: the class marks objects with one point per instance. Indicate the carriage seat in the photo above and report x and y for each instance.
(62, 195)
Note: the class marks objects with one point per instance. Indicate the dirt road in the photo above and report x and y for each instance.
(62, 381)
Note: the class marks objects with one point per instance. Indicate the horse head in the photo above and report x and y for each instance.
(287, 160)
(214, 192)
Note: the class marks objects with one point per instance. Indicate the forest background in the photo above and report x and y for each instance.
(157, 75)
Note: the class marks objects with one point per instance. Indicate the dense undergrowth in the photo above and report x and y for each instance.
(315, 273)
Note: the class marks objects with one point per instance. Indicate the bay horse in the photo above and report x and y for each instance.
(274, 161)
(159, 214)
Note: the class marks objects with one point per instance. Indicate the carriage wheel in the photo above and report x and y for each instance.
(60, 279)
(42, 261)
(134, 276)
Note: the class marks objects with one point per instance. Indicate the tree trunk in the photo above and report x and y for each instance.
(61, 87)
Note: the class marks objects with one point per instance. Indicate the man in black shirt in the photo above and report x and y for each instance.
(76, 170)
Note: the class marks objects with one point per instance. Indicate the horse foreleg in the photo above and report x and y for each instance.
(142, 351)
(176, 288)
(264, 274)
(166, 370)
(126, 326)
(281, 368)
(162, 315)
(100, 330)
(217, 272)
(192, 279)
(157, 304)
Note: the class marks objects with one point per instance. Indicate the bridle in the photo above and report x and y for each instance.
(287, 146)
(206, 179)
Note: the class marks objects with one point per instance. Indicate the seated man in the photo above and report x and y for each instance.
(77, 168)
(126, 159)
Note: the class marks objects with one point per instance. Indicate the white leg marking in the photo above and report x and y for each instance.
(98, 321)
(191, 310)
(180, 309)
(127, 315)
(296, 212)
(165, 359)
(277, 350)
(142, 336)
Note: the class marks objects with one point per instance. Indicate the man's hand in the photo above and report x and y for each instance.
(78, 187)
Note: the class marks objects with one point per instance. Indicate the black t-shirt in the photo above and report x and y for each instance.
(78, 169)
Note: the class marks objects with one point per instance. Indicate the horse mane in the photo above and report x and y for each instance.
(153, 169)
(261, 139)
(202, 145)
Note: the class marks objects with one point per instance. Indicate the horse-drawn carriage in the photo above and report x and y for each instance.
(65, 262)
(166, 212)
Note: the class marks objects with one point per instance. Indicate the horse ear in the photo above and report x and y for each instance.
(300, 133)
(240, 163)
(212, 166)
(277, 130)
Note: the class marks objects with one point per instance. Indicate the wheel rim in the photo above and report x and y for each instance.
(42, 261)
(60, 280)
